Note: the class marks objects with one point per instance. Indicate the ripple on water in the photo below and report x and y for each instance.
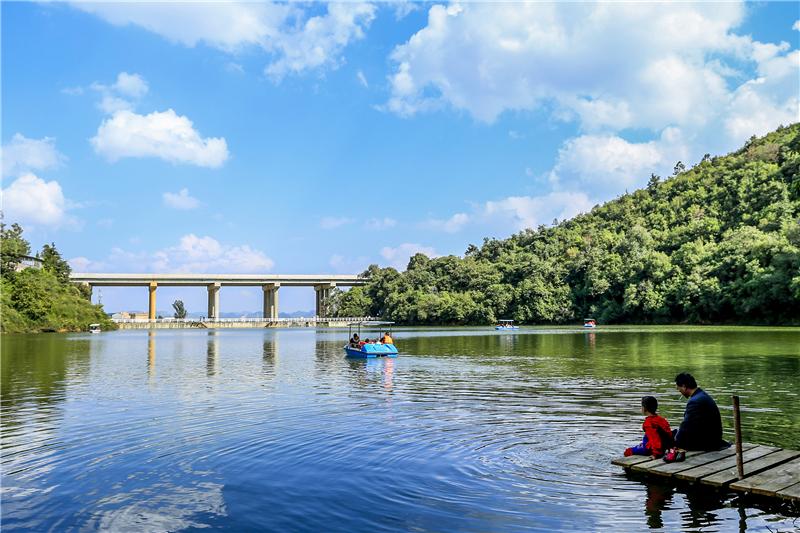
(277, 431)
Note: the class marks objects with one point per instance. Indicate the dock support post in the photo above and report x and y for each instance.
(151, 311)
(737, 427)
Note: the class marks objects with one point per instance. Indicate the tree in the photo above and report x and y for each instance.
(12, 247)
(719, 242)
(180, 310)
(52, 261)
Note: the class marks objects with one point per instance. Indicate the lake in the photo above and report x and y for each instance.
(468, 430)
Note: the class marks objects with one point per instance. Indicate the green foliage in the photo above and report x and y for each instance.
(52, 261)
(42, 299)
(180, 310)
(12, 247)
(717, 243)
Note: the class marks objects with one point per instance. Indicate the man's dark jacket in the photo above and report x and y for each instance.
(701, 428)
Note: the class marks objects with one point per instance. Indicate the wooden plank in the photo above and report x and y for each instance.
(771, 481)
(792, 493)
(720, 479)
(723, 464)
(648, 467)
(669, 469)
(627, 462)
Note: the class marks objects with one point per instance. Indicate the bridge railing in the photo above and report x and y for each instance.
(245, 319)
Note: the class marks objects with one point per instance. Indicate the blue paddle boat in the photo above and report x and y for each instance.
(589, 323)
(505, 325)
(358, 348)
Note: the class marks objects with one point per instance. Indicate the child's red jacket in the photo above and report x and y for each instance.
(658, 433)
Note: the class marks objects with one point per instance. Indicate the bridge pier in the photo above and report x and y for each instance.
(323, 293)
(271, 299)
(151, 311)
(213, 300)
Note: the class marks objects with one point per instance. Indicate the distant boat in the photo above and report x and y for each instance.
(369, 350)
(589, 323)
(505, 324)
(94, 328)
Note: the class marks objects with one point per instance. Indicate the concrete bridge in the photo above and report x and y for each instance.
(221, 323)
(270, 284)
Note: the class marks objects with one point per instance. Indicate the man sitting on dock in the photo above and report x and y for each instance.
(701, 428)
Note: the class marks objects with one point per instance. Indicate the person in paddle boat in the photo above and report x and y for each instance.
(657, 434)
(354, 340)
(387, 338)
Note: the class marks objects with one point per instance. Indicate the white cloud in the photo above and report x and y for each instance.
(796, 25)
(608, 66)
(607, 164)
(451, 225)
(122, 94)
(205, 254)
(519, 212)
(679, 73)
(398, 256)
(296, 41)
(320, 40)
(23, 155)
(225, 25)
(404, 8)
(362, 79)
(194, 254)
(349, 265)
(30, 199)
(72, 91)
(83, 264)
(334, 222)
(380, 223)
(759, 105)
(130, 85)
(489, 58)
(180, 200)
(160, 134)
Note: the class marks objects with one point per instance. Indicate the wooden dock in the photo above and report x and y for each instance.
(768, 471)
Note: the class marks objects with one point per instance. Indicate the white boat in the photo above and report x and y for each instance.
(94, 328)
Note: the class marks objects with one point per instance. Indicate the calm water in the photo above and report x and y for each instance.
(469, 430)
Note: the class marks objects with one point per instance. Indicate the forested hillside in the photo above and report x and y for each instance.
(718, 243)
(41, 299)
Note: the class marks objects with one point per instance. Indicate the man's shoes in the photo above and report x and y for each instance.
(674, 455)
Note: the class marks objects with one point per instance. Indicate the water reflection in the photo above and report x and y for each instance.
(471, 432)
(659, 497)
(269, 355)
(212, 352)
(151, 353)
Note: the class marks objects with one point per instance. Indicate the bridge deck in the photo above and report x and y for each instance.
(768, 471)
(166, 280)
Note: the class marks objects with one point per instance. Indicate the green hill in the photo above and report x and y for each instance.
(718, 243)
(41, 299)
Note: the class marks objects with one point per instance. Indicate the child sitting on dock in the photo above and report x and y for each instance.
(657, 434)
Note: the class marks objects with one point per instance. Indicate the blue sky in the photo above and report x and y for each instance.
(320, 138)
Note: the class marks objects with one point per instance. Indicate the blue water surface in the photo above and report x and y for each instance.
(468, 430)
